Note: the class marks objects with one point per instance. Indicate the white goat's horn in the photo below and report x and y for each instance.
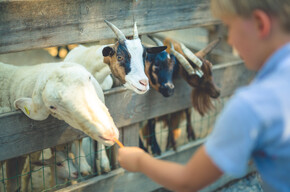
(191, 56)
(118, 32)
(156, 40)
(135, 32)
(202, 53)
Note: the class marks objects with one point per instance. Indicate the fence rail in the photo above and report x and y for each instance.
(31, 24)
(28, 135)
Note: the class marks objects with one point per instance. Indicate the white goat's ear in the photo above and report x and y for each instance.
(30, 109)
(44, 162)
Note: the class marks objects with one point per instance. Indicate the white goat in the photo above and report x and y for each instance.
(61, 164)
(65, 90)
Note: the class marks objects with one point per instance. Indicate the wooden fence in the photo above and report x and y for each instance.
(31, 24)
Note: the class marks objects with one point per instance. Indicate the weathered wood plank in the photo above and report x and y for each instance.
(125, 107)
(30, 24)
(120, 180)
(131, 134)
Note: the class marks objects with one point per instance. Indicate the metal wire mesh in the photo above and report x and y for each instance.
(40, 175)
(202, 126)
(37, 177)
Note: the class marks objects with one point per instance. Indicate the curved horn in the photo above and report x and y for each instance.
(157, 41)
(186, 65)
(190, 55)
(119, 34)
(135, 32)
(172, 46)
(202, 53)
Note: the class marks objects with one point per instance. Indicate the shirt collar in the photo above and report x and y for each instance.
(272, 63)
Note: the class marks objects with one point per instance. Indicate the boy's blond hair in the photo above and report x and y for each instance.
(277, 8)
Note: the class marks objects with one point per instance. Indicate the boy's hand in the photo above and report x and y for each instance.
(129, 158)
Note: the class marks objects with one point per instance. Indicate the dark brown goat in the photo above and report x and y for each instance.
(204, 87)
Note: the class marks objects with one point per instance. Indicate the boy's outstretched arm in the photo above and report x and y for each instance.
(196, 174)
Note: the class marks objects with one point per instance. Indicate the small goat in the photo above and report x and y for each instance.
(198, 74)
(61, 165)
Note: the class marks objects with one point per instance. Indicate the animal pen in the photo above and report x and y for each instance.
(33, 24)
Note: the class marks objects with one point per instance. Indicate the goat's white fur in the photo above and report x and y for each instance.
(33, 89)
(92, 59)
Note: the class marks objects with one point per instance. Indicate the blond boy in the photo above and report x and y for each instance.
(255, 123)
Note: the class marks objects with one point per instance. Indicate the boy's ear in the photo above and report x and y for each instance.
(263, 23)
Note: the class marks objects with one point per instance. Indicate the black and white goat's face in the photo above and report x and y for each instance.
(126, 60)
(127, 64)
(159, 68)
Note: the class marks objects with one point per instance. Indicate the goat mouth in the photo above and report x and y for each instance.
(142, 91)
(105, 139)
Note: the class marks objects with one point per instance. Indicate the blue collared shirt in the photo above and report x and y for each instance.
(255, 124)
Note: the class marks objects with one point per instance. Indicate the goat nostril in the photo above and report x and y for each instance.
(143, 82)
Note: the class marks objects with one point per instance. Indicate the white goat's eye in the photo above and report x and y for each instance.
(89, 77)
(52, 107)
(59, 164)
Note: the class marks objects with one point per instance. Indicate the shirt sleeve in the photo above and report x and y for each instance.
(233, 138)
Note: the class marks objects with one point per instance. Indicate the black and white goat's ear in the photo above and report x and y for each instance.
(108, 51)
(30, 109)
(154, 50)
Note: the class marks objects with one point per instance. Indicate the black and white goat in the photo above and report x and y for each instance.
(124, 59)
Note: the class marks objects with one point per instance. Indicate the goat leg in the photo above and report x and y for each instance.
(152, 137)
(141, 145)
(189, 128)
(170, 139)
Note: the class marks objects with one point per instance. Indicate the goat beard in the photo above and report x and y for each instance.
(201, 101)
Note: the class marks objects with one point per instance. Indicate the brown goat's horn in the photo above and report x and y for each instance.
(186, 65)
(156, 40)
(202, 53)
(171, 46)
(135, 32)
(190, 55)
(118, 32)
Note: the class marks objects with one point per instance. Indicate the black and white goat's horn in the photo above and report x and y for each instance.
(156, 40)
(190, 55)
(135, 32)
(202, 53)
(118, 32)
